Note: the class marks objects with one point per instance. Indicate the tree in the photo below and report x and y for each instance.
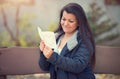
(101, 24)
(17, 4)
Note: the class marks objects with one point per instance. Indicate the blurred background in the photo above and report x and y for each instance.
(19, 20)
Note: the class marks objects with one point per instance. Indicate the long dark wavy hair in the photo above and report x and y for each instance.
(83, 27)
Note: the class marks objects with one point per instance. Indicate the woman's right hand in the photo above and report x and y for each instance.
(42, 45)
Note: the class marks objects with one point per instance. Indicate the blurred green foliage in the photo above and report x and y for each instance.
(53, 26)
(5, 40)
(27, 33)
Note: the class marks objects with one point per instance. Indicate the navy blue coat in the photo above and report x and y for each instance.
(72, 63)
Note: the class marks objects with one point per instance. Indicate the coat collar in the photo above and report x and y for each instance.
(71, 43)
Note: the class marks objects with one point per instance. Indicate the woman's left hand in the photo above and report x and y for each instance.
(47, 52)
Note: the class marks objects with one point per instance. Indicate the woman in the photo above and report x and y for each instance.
(72, 58)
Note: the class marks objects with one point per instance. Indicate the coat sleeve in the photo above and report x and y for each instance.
(44, 65)
(76, 64)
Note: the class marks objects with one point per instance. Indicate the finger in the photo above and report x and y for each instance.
(47, 52)
(42, 46)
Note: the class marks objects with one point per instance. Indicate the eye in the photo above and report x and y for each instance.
(63, 19)
(71, 21)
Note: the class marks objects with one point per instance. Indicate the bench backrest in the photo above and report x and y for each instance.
(21, 61)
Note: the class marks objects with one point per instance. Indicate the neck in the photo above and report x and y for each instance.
(67, 35)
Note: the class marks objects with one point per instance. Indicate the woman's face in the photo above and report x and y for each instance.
(68, 22)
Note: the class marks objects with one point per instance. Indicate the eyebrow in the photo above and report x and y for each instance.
(69, 19)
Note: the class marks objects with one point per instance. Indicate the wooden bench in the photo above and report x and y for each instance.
(23, 61)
